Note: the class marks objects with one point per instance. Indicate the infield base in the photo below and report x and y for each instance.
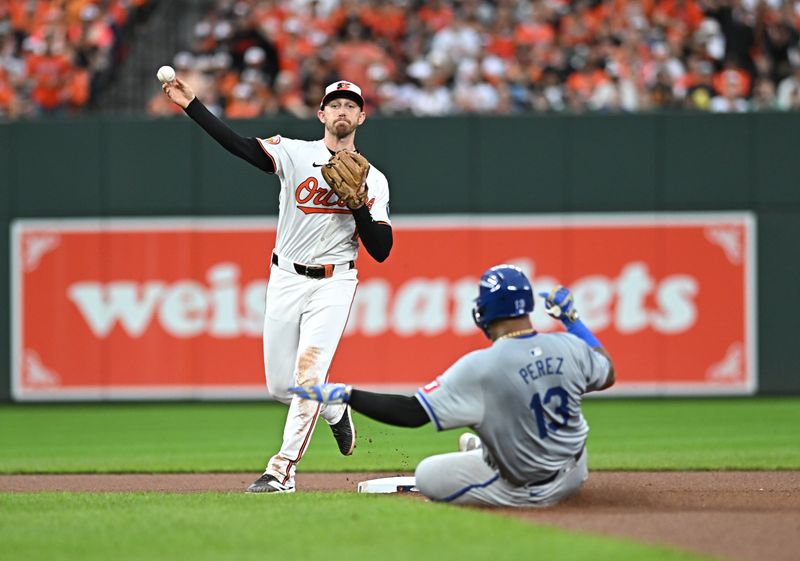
(403, 484)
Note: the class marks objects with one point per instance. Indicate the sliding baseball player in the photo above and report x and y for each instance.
(522, 396)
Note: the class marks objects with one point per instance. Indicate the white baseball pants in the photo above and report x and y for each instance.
(303, 323)
(464, 478)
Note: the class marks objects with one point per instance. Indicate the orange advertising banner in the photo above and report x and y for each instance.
(173, 308)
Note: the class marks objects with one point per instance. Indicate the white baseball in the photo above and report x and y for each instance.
(166, 74)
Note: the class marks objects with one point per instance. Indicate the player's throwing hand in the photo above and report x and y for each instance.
(560, 304)
(324, 393)
(179, 92)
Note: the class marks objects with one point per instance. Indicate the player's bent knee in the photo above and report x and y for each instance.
(426, 480)
(279, 392)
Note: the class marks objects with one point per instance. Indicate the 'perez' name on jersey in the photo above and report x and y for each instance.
(546, 366)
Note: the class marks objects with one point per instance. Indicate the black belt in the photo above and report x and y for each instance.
(555, 473)
(313, 271)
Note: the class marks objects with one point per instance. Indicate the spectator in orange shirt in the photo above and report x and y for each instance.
(535, 30)
(499, 38)
(48, 74)
(26, 16)
(585, 79)
(293, 45)
(436, 14)
(9, 105)
(245, 104)
(731, 100)
(731, 76)
(356, 53)
(576, 27)
(77, 89)
(385, 20)
(686, 11)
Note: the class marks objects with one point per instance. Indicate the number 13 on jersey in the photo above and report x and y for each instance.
(555, 400)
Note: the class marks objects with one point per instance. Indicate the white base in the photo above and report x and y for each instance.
(388, 485)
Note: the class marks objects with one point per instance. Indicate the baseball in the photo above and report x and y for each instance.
(166, 74)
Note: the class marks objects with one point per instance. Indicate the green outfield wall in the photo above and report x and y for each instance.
(533, 164)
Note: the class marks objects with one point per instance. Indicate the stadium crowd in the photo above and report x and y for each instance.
(434, 57)
(57, 55)
(438, 57)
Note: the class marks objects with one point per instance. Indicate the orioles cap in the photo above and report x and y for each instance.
(342, 88)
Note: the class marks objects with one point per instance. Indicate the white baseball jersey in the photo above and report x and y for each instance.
(314, 226)
(523, 398)
(305, 317)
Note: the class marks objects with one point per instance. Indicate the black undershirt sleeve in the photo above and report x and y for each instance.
(248, 149)
(398, 410)
(376, 236)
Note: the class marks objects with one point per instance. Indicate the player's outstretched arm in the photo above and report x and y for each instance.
(560, 305)
(398, 410)
(249, 149)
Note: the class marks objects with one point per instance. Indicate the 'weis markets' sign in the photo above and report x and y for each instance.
(174, 308)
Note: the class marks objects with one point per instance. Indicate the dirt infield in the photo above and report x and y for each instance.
(748, 516)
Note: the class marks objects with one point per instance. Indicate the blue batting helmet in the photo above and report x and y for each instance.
(504, 292)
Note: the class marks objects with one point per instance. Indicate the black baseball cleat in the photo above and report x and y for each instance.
(269, 484)
(345, 433)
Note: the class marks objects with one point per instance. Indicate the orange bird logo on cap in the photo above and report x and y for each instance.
(342, 86)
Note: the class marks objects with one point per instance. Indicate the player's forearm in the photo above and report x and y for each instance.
(376, 237)
(248, 149)
(579, 329)
(398, 410)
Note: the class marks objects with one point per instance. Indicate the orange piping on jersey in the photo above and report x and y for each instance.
(318, 210)
(274, 164)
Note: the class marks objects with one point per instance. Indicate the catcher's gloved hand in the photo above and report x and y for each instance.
(559, 304)
(346, 173)
(324, 393)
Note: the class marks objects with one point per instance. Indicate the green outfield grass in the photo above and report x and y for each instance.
(336, 526)
(626, 434)
(683, 434)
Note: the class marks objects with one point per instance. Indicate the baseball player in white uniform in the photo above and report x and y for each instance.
(313, 276)
(522, 396)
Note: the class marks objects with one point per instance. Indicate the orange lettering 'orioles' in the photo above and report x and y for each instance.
(311, 191)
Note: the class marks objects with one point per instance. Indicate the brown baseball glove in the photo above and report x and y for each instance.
(346, 173)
